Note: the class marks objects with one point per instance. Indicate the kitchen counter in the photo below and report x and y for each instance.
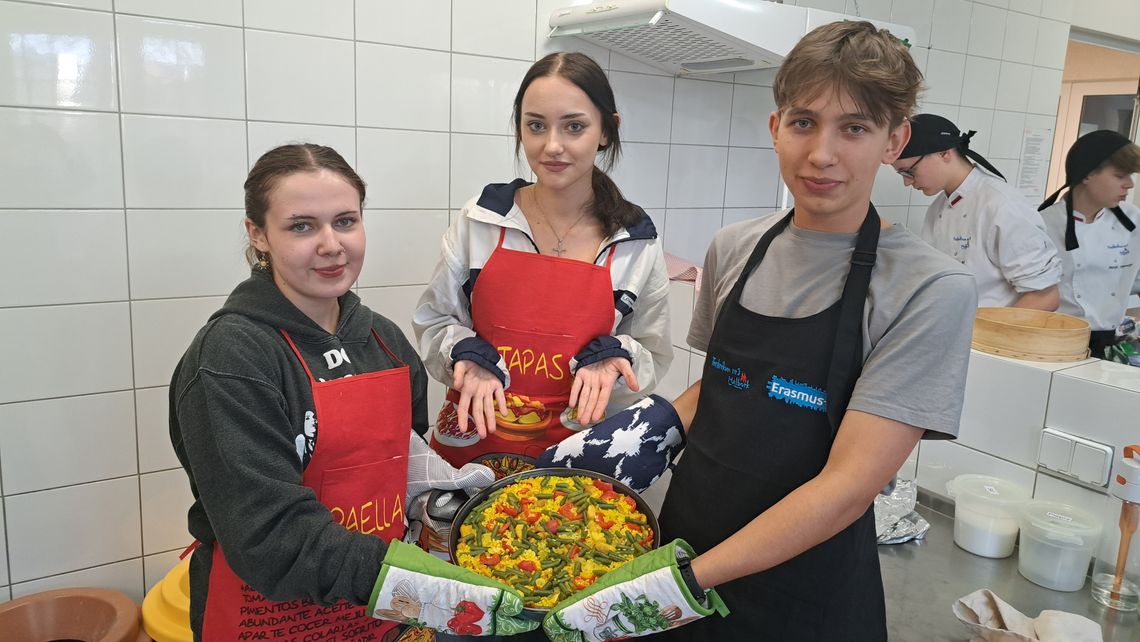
(923, 579)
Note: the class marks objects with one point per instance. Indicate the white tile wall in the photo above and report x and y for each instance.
(300, 79)
(129, 127)
(48, 444)
(98, 332)
(987, 31)
(402, 88)
(941, 461)
(209, 260)
(163, 162)
(404, 181)
(4, 594)
(155, 567)
(43, 528)
(697, 176)
(331, 18)
(503, 29)
(165, 499)
(88, 257)
(701, 112)
(161, 330)
(483, 92)
(180, 69)
(645, 116)
(57, 57)
(751, 108)
(60, 159)
(155, 450)
(265, 136)
(400, 259)
(643, 172)
(125, 577)
(224, 12)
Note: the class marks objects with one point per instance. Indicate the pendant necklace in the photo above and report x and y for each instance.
(560, 248)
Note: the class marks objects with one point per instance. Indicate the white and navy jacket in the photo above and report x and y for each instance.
(1103, 270)
(442, 318)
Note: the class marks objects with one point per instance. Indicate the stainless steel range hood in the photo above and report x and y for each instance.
(699, 36)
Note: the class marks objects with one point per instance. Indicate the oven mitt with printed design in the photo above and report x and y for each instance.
(420, 589)
(634, 446)
(643, 596)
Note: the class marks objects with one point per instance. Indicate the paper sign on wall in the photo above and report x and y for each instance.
(1033, 170)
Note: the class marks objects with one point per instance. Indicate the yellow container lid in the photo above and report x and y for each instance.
(166, 607)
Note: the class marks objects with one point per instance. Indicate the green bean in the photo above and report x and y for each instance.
(634, 520)
(606, 505)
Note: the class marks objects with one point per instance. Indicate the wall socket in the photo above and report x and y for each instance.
(1072, 456)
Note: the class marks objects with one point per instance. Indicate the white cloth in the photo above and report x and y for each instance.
(991, 619)
(1101, 273)
(640, 283)
(992, 229)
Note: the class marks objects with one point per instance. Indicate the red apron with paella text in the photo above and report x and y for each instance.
(538, 311)
(359, 470)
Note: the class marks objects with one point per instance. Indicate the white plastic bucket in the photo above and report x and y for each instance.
(1057, 543)
(986, 512)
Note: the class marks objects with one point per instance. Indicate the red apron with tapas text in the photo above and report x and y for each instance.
(538, 311)
(359, 470)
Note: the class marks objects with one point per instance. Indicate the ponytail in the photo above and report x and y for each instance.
(610, 207)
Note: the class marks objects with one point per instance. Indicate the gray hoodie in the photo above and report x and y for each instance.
(243, 424)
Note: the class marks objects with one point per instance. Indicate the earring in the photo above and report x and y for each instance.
(262, 261)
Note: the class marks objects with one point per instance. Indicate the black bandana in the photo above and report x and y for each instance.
(1088, 153)
(931, 133)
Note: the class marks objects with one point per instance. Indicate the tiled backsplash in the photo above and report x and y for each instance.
(129, 126)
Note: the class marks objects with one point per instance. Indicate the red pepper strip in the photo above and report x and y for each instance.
(559, 493)
(509, 510)
(532, 517)
(602, 486)
(528, 566)
(633, 527)
(602, 521)
(609, 496)
(526, 501)
(631, 501)
(574, 550)
(489, 559)
(552, 526)
(567, 511)
(504, 528)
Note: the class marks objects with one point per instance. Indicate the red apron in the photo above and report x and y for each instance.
(538, 311)
(359, 470)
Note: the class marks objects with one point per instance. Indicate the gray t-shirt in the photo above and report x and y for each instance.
(917, 322)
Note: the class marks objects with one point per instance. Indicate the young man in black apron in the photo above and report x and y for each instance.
(835, 341)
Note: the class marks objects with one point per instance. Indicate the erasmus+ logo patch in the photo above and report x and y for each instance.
(737, 378)
(797, 394)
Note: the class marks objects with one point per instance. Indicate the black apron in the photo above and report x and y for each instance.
(1101, 340)
(772, 395)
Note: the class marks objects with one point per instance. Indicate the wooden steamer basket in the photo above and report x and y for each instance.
(1033, 335)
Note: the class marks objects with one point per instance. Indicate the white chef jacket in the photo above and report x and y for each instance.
(1103, 271)
(990, 228)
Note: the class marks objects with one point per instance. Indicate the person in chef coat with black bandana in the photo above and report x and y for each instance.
(979, 219)
(1096, 228)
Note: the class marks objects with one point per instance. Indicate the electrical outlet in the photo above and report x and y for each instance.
(1082, 459)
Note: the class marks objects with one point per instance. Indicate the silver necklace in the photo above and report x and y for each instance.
(560, 248)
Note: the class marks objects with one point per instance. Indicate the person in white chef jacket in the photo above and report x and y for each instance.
(1097, 230)
(978, 219)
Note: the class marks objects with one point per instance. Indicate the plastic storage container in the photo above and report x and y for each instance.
(1057, 543)
(986, 513)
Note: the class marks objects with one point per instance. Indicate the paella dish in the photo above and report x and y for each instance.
(552, 536)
